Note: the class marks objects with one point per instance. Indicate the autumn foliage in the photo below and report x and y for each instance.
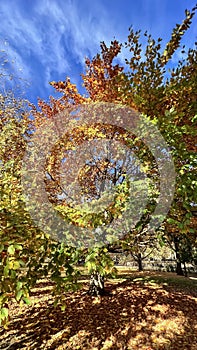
(148, 83)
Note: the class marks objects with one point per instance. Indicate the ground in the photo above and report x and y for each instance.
(144, 311)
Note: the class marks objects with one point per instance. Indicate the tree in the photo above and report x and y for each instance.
(144, 87)
(23, 246)
(14, 220)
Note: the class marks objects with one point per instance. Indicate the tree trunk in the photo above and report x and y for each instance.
(96, 287)
(185, 269)
(179, 269)
(139, 260)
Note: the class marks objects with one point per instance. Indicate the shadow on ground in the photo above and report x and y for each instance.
(132, 315)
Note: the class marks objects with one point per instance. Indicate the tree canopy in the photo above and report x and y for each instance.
(165, 96)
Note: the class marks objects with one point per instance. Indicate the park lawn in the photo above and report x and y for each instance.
(140, 311)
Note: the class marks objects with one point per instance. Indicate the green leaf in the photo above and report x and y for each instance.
(18, 246)
(16, 265)
(4, 313)
(19, 295)
(19, 285)
(6, 270)
(11, 249)
(63, 307)
(27, 300)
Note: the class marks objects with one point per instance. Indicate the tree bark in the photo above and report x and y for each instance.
(185, 270)
(96, 287)
(179, 269)
(139, 260)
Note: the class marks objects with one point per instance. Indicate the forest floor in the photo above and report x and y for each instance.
(140, 311)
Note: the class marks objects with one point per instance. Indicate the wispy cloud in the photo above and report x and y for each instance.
(50, 38)
(51, 35)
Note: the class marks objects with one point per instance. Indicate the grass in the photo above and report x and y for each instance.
(161, 278)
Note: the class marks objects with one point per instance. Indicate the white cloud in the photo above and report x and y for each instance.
(50, 38)
(54, 33)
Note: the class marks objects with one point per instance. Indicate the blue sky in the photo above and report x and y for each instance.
(48, 39)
